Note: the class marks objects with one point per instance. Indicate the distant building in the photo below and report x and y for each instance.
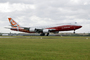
(4, 34)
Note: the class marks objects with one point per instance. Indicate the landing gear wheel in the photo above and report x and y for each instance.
(47, 34)
(74, 32)
(42, 34)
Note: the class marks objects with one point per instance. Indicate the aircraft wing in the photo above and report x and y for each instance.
(36, 29)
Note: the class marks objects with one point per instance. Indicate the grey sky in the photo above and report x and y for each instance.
(40, 12)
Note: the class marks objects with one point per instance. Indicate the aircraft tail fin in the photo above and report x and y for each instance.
(13, 23)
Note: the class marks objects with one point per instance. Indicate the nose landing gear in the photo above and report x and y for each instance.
(74, 32)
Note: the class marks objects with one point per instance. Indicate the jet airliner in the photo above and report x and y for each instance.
(43, 30)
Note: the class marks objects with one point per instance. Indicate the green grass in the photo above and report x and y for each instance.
(45, 48)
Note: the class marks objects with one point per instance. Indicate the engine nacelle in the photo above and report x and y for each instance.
(45, 31)
(32, 29)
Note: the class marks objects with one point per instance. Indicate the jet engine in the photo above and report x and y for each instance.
(45, 31)
(32, 29)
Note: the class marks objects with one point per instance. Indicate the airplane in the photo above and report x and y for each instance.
(44, 30)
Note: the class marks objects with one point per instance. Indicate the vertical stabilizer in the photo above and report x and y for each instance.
(13, 23)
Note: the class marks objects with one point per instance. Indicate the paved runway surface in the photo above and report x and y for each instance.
(46, 37)
(7, 37)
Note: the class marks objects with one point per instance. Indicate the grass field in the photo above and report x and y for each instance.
(45, 48)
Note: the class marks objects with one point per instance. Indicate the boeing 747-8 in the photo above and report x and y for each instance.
(45, 30)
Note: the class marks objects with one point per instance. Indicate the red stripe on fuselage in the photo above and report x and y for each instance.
(66, 27)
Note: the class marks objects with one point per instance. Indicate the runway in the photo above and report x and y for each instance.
(41, 37)
(7, 37)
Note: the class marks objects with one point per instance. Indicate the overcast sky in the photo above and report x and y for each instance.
(42, 12)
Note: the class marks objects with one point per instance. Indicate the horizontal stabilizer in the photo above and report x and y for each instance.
(7, 27)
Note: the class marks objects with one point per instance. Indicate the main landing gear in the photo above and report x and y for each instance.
(47, 34)
(43, 34)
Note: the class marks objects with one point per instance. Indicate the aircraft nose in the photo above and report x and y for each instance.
(79, 26)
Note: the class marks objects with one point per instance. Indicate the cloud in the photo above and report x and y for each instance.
(18, 1)
(42, 12)
(7, 7)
